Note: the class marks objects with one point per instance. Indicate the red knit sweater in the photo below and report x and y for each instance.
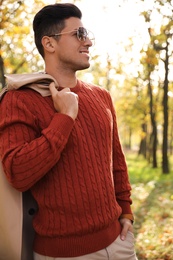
(76, 170)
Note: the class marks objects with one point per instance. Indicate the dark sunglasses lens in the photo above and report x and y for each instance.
(82, 34)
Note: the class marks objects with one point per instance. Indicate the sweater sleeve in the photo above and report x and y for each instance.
(120, 172)
(29, 153)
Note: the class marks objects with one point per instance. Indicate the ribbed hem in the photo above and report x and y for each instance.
(125, 206)
(77, 246)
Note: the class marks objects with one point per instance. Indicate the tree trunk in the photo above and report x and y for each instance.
(153, 137)
(165, 163)
(171, 134)
(2, 78)
(143, 143)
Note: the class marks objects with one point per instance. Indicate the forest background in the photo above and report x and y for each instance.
(138, 72)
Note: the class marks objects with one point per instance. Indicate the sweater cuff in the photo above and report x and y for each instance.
(128, 216)
(62, 123)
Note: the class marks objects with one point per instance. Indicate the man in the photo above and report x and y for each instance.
(64, 148)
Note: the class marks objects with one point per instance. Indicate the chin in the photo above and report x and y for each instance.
(84, 66)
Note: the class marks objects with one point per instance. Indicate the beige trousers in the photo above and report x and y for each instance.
(118, 250)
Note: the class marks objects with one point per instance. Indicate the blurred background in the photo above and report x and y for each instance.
(133, 59)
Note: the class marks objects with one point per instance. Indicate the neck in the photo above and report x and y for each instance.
(64, 78)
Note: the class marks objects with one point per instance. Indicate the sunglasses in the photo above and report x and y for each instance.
(81, 33)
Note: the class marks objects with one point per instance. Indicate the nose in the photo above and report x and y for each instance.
(89, 42)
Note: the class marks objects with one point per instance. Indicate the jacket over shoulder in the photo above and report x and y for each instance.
(36, 81)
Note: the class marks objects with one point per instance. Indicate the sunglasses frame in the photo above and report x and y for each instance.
(81, 34)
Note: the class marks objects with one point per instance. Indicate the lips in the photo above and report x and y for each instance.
(84, 51)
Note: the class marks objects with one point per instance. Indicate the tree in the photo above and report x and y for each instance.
(17, 50)
(150, 61)
(160, 42)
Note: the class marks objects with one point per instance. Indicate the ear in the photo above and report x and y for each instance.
(48, 43)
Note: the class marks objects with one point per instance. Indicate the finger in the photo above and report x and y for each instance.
(66, 90)
(52, 88)
(123, 233)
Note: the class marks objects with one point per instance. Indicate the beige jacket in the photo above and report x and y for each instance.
(16, 208)
(36, 81)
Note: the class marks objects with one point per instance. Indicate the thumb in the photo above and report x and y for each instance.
(52, 88)
(124, 232)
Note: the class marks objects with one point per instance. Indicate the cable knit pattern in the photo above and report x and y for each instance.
(76, 170)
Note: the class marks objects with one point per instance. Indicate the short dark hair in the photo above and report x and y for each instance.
(51, 19)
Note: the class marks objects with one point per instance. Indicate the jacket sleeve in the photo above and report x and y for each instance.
(28, 153)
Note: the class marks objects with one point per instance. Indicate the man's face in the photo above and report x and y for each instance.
(71, 53)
